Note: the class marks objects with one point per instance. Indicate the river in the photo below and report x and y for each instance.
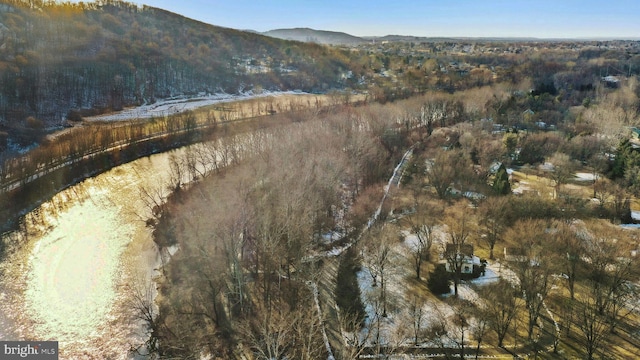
(71, 269)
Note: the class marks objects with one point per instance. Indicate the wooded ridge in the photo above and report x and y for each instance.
(59, 57)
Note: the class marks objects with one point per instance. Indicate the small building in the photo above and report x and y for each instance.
(469, 261)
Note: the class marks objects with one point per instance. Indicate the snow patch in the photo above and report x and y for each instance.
(411, 240)
(490, 276)
(521, 187)
(582, 176)
(332, 237)
(547, 166)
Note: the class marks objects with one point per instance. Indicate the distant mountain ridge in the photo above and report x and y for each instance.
(326, 37)
(316, 36)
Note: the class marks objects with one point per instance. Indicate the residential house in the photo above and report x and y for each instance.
(469, 261)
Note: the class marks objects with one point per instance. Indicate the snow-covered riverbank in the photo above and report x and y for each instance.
(72, 278)
(178, 105)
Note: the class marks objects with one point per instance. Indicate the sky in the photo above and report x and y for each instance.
(450, 18)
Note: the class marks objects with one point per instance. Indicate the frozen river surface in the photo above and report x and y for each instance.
(74, 265)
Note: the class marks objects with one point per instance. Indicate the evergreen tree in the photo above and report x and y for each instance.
(626, 158)
(438, 281)
(347, 291)
(501, 183)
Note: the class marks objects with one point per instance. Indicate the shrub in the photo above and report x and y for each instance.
(74, 115)
(34, 123)
(439, 280)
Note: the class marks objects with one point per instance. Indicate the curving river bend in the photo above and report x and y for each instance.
(78, 259)
(74, 264)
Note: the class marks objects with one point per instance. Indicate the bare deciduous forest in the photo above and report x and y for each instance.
(441, 198)
(292, 224)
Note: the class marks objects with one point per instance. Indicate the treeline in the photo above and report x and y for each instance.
(568, 72)
(243, 280)
(83, 152)
(56, 57)
(79, 143)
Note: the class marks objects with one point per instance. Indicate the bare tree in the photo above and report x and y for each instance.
(377, 256)
(269, 334)
(374, 322)
(501, 306)
(144, 309)
(610, 271)
(159, 219)
(450, 331)
(620, 204)
(178, 171)
(493, 221)
(356, 339)
(422, 222)
(460, 226)
(593, 326)
(308, 336)
(461, 323)
(563, 169)
(571, 252)
(535, 268)
(599, 163)
(439, 333)
(447, 168)
(601, 192)
(417, 315)
(430, 114)
(479, 328)
(232, 238)
(154, 201)
(285, 330)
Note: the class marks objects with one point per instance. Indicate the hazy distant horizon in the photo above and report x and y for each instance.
(544, 19)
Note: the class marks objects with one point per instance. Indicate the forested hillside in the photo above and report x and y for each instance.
(56, 57)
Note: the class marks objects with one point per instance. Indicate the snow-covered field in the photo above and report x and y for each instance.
(178, 105)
